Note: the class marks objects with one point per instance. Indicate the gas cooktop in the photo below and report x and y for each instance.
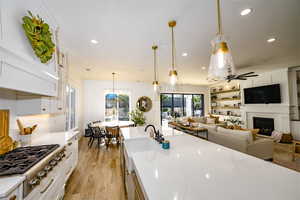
(22, 159)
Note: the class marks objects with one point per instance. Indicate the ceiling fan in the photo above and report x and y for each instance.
(241, 76)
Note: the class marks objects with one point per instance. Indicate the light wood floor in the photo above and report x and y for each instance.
(97, 176)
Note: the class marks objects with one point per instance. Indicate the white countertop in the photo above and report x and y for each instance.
(194, 169)
(9, 183)
(60, 138)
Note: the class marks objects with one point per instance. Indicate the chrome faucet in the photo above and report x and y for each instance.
(158, 137)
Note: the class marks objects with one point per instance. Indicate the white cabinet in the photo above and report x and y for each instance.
(20, 69)
(71, 156)
(33, 104)
(17, 194)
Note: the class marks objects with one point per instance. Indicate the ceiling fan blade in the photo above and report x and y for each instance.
(254, 75)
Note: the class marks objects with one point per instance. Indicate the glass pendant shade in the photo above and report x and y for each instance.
(173, 76)
(221, 63)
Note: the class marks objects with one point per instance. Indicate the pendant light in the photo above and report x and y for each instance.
(221, 63)
(155, 82)
(115, 98)
(173, 73)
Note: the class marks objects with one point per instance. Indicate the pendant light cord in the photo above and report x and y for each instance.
(219, 18)
(154, 64)
(113, 82)
(173, 49)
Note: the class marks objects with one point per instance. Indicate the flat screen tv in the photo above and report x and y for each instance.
(263, 95)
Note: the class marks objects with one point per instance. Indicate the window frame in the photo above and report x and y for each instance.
(121, 92)
(183, 103)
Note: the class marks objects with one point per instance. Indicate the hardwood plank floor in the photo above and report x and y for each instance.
(97, 175)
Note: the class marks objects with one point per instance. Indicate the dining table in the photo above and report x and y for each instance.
(120, 124)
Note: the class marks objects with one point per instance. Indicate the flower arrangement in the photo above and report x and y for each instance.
(137, 117)
(40, 37)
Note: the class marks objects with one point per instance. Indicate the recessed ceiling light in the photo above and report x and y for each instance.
(203, 68)
(246, 11)
(270, 40)
(94, 41)
(184, 54)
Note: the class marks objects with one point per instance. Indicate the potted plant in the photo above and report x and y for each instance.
(137, 117)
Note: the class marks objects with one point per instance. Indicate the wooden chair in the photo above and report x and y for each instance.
(97, 134)
(112, 132)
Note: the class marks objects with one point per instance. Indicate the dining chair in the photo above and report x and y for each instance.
(97, 134)
(112, 132)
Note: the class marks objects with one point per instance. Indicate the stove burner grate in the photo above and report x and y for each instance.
(22, 159)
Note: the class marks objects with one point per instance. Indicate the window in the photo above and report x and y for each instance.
(117, 105)
(180, 105)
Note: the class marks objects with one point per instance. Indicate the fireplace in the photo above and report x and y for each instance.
(265, 125)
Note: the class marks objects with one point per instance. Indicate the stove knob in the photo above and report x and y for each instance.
(53, 163)
(48, 168)
(41, 174)
(57, 158)
(34, 182)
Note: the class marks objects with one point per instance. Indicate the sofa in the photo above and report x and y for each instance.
(241, 140)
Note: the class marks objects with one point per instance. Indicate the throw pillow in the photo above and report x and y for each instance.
(210, 120)
(286, 138)
(191, 120)
(276, 135)
(216, 117)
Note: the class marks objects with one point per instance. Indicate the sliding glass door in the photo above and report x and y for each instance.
(180, 105)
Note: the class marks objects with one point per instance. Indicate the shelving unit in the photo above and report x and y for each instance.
(225, 108)
(227, 99)
(225, 91)
(225, 102)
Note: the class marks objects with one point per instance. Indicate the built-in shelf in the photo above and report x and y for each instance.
(225, 107)
(227, 99)
(225, 91)
(226, 115)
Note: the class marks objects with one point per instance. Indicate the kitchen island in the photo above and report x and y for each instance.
(195, 169)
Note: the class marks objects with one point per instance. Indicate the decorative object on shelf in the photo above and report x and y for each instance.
(221, 65)
(39, 34)
(234, 121)
(6, 143)
(144, 104)
(173, 73)
(155, 82)
(137, 117)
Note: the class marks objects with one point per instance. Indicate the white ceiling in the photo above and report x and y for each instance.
(126, 30)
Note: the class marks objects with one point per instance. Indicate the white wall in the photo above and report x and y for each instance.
(94, 100)
(94, 104)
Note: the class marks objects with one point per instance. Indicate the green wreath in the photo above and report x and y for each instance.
(40, 37)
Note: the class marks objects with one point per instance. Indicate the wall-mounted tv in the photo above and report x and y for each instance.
(263, 94)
